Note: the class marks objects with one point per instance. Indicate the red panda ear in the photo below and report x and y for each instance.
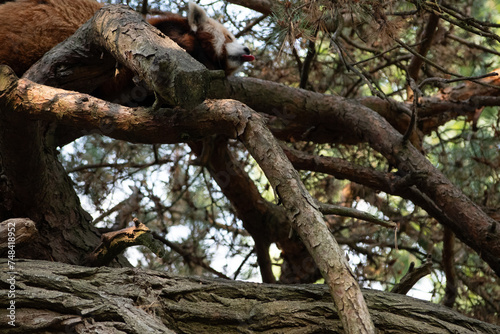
(196, 16)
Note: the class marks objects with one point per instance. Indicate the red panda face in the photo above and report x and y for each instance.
(219, 46)
(204, 39)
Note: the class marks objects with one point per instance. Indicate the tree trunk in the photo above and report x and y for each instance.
(55, 298)
(36, 186)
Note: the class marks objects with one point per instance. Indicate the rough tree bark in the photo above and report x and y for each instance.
(56, 297)
(35, 185)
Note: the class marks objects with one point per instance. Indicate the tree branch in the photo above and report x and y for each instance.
(308, 222)
(424, 46)
(329, 209)
(261, 6)
(412, 277)
(93, 115)
(449, 267)
(137, 301)
(318, 113)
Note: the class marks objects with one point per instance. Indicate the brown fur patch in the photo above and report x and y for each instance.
(50, 22)
(177, 28)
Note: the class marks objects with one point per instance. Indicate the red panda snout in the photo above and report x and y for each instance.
(218, 44)
(237, 54)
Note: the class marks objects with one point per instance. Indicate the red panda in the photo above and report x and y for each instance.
(30, 28)
(205, 39)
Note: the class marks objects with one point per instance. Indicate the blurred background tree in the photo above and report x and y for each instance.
(392, 50)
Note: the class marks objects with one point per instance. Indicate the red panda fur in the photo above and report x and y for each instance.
(178, 30)
(30, 28)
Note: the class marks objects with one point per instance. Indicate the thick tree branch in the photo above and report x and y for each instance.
(92, 115)
(308, 222)
(288, 123)
(138, 301)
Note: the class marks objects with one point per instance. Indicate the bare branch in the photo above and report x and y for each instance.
(426, 42)
(473, 45)
(329, 209)
(412, 277)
